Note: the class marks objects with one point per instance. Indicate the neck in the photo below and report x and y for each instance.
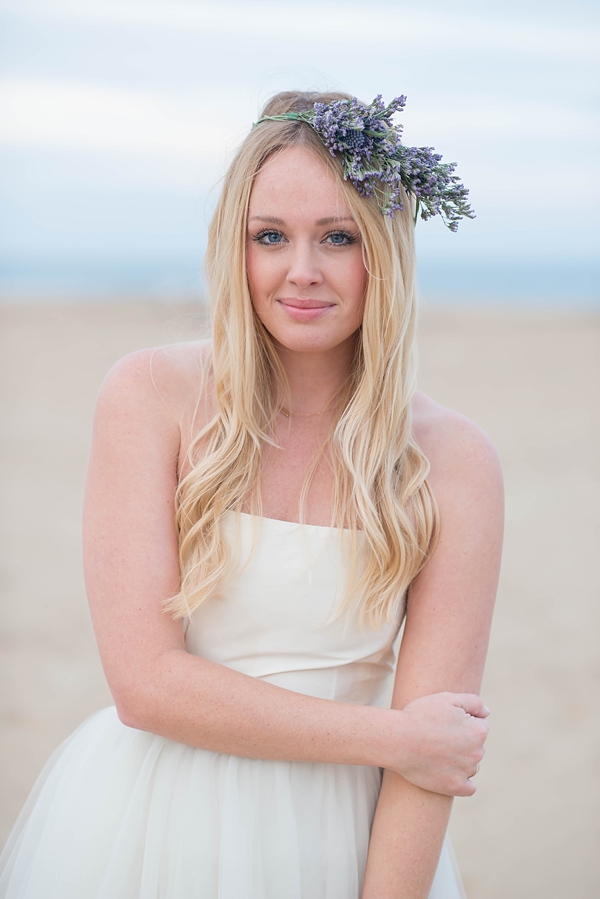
(315, 379)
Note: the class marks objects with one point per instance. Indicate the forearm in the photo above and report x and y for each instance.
(406, 840)
(202, 704)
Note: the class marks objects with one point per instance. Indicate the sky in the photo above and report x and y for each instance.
(118, 118)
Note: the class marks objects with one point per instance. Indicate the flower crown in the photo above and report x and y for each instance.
(372, 156)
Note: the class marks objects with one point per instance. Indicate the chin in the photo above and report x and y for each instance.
(310, 343)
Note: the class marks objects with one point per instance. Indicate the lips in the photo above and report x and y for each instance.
(305, 309)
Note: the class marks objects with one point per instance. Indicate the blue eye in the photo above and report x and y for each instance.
(340, 238)
(269, 238)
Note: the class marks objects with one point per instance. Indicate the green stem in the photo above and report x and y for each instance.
(285, 117)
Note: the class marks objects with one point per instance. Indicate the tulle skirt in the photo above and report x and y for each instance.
(118, 813)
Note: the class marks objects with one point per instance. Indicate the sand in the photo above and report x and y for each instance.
(531, 380)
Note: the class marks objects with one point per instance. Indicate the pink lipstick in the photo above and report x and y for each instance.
(305, 309)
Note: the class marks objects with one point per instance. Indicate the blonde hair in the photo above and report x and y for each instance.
(380, 474)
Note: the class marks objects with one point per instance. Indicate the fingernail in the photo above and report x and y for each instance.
(486, 710)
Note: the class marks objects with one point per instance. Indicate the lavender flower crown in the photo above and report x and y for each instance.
(373, 156)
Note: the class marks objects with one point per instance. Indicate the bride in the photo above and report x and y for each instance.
(262, 513)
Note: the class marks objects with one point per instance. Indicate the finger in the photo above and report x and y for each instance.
(467, 789)
(482, 727)
(472, 704)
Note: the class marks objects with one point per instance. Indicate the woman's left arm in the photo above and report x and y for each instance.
(445, 640)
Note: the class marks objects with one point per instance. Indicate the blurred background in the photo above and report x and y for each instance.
(117, 120)
(119, 117)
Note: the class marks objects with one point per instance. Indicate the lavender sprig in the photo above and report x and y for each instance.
(378, 164)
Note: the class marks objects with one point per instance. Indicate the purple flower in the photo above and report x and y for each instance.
(377, 163)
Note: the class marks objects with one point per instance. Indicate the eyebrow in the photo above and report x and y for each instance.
(266, 218)
(335, 218)
(272, 220)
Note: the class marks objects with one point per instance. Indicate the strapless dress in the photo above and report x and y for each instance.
(119, 813)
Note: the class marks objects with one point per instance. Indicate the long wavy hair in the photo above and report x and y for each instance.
(380, 474)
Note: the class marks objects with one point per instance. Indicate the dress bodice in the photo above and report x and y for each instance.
(276, 619)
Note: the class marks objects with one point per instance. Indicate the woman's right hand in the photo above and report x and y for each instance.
(445, 733)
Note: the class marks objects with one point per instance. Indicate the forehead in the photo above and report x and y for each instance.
(295, 180)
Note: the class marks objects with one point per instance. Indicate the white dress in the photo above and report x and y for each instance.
(119, 813)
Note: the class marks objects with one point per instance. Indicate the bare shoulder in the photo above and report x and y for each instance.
(459, 451)
(164, 380)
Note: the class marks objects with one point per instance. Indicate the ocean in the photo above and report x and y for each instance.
(552, 282)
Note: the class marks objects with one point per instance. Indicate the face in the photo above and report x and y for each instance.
(304, 255)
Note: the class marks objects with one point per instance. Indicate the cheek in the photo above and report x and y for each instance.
(357, 282)
(252, 269)
(260, 271)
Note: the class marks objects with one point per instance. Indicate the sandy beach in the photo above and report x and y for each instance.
(530, 379)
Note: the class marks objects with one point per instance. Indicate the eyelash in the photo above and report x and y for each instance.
(349, 238)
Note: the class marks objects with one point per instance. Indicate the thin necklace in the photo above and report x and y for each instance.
(289, 414)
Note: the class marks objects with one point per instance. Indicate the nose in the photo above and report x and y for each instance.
(304, 270)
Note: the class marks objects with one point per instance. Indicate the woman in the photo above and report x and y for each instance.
(249, 655)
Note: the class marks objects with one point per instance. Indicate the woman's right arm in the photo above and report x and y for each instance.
(131, 567)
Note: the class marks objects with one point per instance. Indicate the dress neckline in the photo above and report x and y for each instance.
(296, 524)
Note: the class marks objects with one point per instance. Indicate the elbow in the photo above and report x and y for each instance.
(132, 709)
(143, 699)
(129, 715)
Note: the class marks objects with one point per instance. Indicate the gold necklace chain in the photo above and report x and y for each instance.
(289, 414)
(332, 402)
